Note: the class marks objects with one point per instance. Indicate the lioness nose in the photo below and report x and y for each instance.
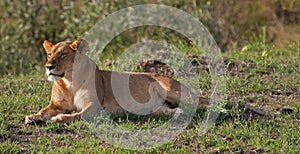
(50, 67)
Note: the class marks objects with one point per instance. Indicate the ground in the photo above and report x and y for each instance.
(259, 76)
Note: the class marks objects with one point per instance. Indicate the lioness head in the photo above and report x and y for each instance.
(60, 57)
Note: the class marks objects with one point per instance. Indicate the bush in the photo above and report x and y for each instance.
(24, 25)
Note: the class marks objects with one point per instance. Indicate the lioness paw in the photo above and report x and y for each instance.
(29, 119)
(58, 119)
(32, 119)
(178, 112)
(64, 118)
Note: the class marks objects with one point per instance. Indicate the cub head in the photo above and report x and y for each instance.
(60, 57)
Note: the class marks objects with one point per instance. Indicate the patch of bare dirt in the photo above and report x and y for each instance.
(198, 63)
(154, 66)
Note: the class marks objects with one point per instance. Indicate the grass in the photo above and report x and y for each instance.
(260, 75)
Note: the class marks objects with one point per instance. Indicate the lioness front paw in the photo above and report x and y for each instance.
(65, 118)
(34, 119)
(57, 119)
(29, 119)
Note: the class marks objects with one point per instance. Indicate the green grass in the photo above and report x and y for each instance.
(259, 75)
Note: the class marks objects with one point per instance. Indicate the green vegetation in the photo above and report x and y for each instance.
(24, 25)
(260, 75)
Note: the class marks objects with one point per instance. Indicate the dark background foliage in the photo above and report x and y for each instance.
(24, 25)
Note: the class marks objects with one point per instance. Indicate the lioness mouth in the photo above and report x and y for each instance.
(61, 75)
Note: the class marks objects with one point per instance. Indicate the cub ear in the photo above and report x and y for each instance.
(47, 45)
(81, 46)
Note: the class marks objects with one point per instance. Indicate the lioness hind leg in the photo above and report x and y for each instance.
(164, 110)
(174, 96)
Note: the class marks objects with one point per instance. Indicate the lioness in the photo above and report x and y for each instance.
(78, 85)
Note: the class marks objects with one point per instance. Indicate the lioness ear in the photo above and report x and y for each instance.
(80, 46)
(47, 45)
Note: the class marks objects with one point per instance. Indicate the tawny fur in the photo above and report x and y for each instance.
(78, 85)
